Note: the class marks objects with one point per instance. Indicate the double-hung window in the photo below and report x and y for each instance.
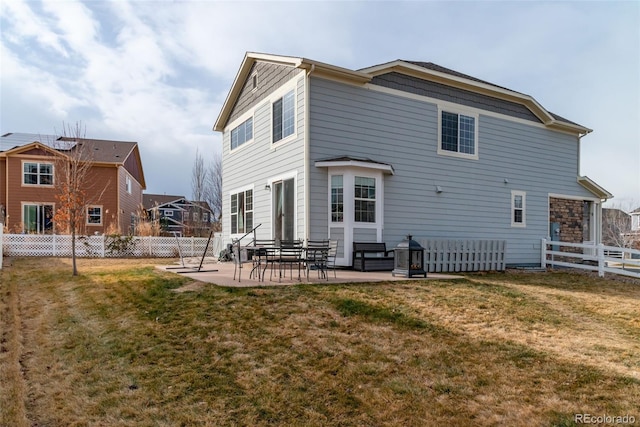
(94, 215)
(337, 198)
(283, 116)
(37, 173)
(458, 134)
(518, 208)
(242, 212)
(242, 133)
(365, 199)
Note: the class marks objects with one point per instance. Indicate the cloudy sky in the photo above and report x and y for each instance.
(157, 72)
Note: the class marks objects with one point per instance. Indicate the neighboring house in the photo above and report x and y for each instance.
(620, 228)
(28, 182)
(178, 215)
(312, 150)
(635, 220)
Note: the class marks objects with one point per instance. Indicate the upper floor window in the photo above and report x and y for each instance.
(37, 173)
(458, 134)
(518, 208)
(242, 133)
(94, 215)
(128, 184)
(168, 212)
(242, 212)
(283, 116)
(365, 199)
(254, 81)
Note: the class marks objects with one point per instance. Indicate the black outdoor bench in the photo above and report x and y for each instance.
(372, 256)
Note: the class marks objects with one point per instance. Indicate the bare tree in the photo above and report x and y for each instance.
(616, 227)
(199, 181)
(214, 194)
(72, 182)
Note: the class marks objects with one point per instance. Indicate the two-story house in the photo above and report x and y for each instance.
(28, 178)
(314, 150)
(178, 215)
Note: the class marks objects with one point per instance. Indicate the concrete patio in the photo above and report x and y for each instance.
(224, 275)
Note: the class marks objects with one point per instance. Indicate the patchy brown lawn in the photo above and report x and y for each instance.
(118, 346)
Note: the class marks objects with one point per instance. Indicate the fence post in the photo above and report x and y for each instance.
(1, 250)
(601, 261)
(543, 254)
(102, 245)
(193, 246)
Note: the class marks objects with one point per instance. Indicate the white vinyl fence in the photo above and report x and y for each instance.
(441, 256)
(108, 246)
(588, 256)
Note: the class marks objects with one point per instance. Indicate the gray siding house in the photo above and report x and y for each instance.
(312, 150)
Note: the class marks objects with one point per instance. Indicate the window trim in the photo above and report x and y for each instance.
(247, 141)
(128, 184)
(88, 215)
(365, 199)
(458, 112)
(53, 174)
(279, 94)
(237, 191)
(254, 81)
(340, 203)
(167, 212)
(514, 194)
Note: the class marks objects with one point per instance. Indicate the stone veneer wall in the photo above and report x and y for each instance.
(569, 214)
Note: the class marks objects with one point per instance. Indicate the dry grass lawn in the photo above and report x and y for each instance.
(128, 345)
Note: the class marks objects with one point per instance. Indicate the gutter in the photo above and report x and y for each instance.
(307, 157)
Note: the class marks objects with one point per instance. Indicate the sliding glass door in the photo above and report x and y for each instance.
(284, 209)
(37, 219)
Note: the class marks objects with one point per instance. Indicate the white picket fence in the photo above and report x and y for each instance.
(592, 257)
(102, 246)
(441, 256)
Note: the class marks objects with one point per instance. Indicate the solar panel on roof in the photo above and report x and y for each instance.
(12, 140)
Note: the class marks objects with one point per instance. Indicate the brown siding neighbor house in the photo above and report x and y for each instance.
(28, 189)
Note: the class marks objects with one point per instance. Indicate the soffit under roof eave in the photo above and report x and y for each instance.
(462, 83)
(243, 72)
(320, 69)
(594, 188)
(32, 145)
(388, 169)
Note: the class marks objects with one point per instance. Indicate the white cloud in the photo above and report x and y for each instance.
(158, 72)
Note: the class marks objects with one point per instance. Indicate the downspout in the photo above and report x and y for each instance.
(307, 158)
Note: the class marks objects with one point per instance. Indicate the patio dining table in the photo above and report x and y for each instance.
(311, 257)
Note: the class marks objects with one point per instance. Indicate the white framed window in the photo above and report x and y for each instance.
(205, 216)
(364, 199)
(241, 212)
(127, 182)
(196, 217)
(185, 216)
(35, 173)
(283, 116)
(337, 198)
(518, 208)
(94, 215)
(457, 133)
(168, 212)
(242, 133)
(254, 82)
